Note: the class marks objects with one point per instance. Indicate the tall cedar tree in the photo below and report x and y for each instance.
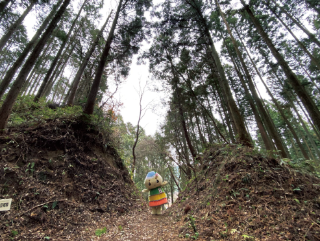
(131, 31)
(15, 26)
(8, 103)
(84, 63)
(11, 72)
(306, 99)
(55, 60)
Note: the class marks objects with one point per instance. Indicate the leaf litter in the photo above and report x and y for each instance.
(68, 184)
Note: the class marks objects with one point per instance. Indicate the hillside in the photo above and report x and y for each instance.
(65, 179)
(68, 182)
(239, 194)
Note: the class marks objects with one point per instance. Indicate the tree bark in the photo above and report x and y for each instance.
(62, 62)
(55, 60)
(310, 35)
(295, 83)
(83, 65)
(96, 82)
(218, 96)
(174, 181)
(7, 105)
(137, 132)
(305, 154)
(266, 140)
(11, 72)
(313, 59)
(178, 100)
(59, 74)
(3, 5)
(14, 26)
(236, 118)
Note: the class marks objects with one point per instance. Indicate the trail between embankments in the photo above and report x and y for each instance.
(137, 226)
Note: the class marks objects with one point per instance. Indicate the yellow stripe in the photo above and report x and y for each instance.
(157, 197)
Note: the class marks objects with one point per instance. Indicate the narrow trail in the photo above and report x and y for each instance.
(137, 226)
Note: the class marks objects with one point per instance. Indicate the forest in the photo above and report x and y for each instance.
(236, 73)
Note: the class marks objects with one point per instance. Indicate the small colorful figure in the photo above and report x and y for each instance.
(157, 197)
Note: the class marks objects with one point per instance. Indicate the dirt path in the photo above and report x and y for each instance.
(137, 226)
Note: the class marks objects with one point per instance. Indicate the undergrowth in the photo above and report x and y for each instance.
(305, 166)
(26, 112)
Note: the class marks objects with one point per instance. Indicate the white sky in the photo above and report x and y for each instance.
(128, 90)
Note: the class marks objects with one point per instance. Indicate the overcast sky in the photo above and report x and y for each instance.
(128, 90)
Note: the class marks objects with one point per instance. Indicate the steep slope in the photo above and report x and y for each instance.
(63, 177)
(242, 195)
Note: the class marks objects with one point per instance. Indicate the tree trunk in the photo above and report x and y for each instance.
(188, 82)
(14, 26)
(35, 84)
(62, 62)
(3, 5)
(10, 74)
(40, 61)
(59, 74)
(27, 83)
(96, 82)
(291, 97)
(266, 119)
(305, 71)
(137, 132)
(208, 128)
(203, 140)
(277, 104)
(243, 135)
(295, 83)
(226, 120)
(83, 65)
(311, 36)
(178, 100)
(173, 177)
(313, 59)
(7, 105)
(266, 140)
(311, 139)
(54, 62)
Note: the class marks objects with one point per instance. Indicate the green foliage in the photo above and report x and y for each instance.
(307, 166)
(14, 233)
(196, 235)
(54, 204)
(30, 167)
(99, 232)
(192, 223)
(234, 193)
(25, 111)
(247, 237)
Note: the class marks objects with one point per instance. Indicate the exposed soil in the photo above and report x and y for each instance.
(240, 195)
(137, 226)
(67, 182)
(63, 177)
